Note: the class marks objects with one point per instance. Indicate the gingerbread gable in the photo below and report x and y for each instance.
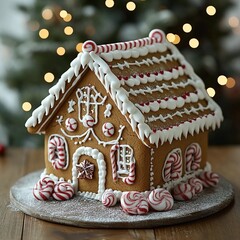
(150, 82)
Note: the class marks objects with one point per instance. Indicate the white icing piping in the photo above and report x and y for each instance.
(90, 131)
(119, 95)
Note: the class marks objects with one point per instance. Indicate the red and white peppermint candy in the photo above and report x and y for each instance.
(63, 191)
(209, 179)
(172, 168)
(183, 192)
(160, 200)
(71, 124)
(109, 199)
(108, 129)
(56, 152)
(193, 157)
(197, 184)
(43, 189)
(88, 121)
(134, 203)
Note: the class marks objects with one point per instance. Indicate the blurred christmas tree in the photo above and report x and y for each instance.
(58, 28)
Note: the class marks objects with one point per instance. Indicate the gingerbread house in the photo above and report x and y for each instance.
(126, 116)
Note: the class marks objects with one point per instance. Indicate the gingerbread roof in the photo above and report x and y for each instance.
(150, 82)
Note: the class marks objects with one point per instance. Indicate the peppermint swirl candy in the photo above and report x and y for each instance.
(209, 179)
(109, 199)
(43, 189)
(160, 200)
(63, 191)
(183, 192)
(197, 184)
(134, 203)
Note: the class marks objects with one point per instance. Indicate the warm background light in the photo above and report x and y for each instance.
(43, 33)
(109, 3)
(49, 77)
(26, 106)
(131, 6)
(177, 39)
(230, 82)
(187, 27)
(79, 47)
(63, 13)
(170, 37)
(193, 43)
(47, 14)
(61, 51)
(211, 10)
(68, 18)
(233, 22)
(211, 92)
(68, 30)
(222, 80)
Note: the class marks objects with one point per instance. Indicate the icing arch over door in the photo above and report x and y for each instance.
(99, 158)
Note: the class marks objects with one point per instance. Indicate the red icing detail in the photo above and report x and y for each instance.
(175, 98)
(148, 74)
(161, 72)
(125, 78)
(183, 66)
(158, 100)
(166, 98)
(141, 75)
(119, 77)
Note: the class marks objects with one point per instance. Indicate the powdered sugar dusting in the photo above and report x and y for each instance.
(83, 212)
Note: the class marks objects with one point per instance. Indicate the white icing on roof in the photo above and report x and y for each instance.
(97, 58)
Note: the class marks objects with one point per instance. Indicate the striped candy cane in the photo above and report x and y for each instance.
(56, 150)
(172, 168)
(131, 177)
(193, 157)
(114, 148)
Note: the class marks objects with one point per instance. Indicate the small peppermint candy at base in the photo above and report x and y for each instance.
(183, 192)
(88, 121)
(209, 179)
(108, 129)
(197, 184)
(109, 199)
(71, 124)
(43, 189)
(63, 191)
(160, 200)
(134, 203)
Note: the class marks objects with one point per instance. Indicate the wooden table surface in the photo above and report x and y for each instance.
(16, 225)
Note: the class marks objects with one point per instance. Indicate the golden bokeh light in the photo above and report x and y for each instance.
(187, 27)
(79, 47)
(26, 106)
(63, 13)
(43, 33)
(47, 14)
(211, 10)
(68, 18)
(193, 43)
(211, 91)
(170, 37)
(131, 6)
(222, 80)
(177, 39)
(68, 30)
(109, 3)
(49, 77)
(231, 82)
(61, 51)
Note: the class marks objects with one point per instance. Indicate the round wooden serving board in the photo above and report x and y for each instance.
(83, 212)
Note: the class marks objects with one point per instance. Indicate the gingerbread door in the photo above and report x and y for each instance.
(89, 172)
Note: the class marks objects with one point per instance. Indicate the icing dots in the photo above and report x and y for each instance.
(108, 129)
(71, 124)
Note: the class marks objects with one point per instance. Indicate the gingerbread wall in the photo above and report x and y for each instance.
(123, 132)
